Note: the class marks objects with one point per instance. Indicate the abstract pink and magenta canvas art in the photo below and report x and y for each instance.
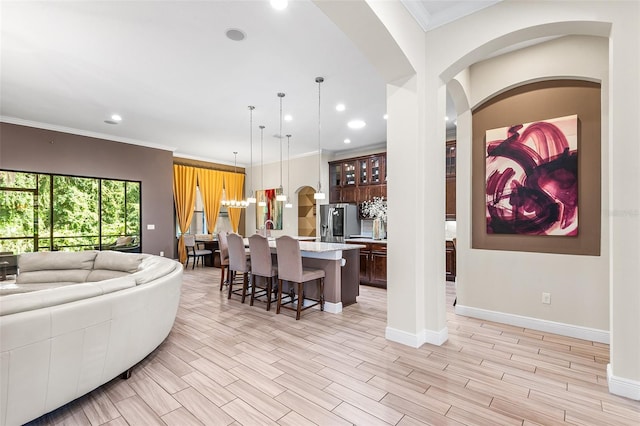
(532, 178)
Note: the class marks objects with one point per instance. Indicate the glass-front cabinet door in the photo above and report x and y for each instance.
(349, 170)
(375, 168)
(363, 172)
(335, 174)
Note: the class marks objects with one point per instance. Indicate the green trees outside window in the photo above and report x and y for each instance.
(43, 212)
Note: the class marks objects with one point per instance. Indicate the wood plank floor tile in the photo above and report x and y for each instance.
(357, 416)
(181, 417)
(481, 417)
(311, 411)
(630, 412)
(293, 363)
(160, 401)
(258, 400)
(202, 408)
(295, 419)
(259, 381)
(99, 409)
(316, 396)
(214, 371)
(367, 389)
(228, 363)
(369, 405)
(461, 397)
(118, 389)
(174, 363)
(136, 412)
(417, 411)
(165, 377)
(120, 421)
(348, 370)
(529, 410)
(209, 388)
(246, 414)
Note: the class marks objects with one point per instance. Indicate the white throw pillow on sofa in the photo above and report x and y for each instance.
(117, 261)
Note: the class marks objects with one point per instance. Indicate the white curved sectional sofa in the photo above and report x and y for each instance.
(74, 321)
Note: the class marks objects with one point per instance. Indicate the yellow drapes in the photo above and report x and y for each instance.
(210, 183)
(233, 183)
(184, 196)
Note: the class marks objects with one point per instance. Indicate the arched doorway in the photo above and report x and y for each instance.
(306, 212)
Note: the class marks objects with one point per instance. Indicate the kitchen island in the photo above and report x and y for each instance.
(341, 265)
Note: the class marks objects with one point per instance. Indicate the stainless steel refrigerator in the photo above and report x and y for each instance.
(338, 221)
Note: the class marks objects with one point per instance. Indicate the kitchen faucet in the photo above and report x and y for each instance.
(267, 232)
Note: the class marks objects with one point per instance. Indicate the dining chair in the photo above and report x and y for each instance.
(224, 255)
(193, 251)
(290, 269)
(262, 266)
(239, 264)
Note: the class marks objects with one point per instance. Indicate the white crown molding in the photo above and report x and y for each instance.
(570, 330)
(72, 131)
(419, 13)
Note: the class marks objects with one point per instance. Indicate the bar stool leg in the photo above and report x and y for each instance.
(245, 285)
(222, 268)
(279, 298)
(300, 300)
(322, 294)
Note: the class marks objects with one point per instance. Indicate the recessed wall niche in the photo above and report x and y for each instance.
(530, 103)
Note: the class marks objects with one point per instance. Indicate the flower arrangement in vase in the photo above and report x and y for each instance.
(375, 209)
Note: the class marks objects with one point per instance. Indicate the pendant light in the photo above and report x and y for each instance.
(233, 202)
(319, 195)
(288, 204)
(280, 193)
(251, 199)
(262, 202)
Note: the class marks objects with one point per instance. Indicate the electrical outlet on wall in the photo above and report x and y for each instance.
(546, 298)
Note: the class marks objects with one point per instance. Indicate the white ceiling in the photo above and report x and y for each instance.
(178, 82)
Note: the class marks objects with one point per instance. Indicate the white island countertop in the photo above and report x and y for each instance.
(364, 240)
(318, 250)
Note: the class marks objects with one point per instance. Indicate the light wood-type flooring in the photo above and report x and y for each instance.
(226, 363)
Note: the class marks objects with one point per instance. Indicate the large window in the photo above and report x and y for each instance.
(44, 212)
(198, 224)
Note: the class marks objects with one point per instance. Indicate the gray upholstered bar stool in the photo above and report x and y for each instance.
(262, 266)
(224, 255)
(238, 263)
(290, 269)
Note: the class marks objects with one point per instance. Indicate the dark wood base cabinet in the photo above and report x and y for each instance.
(450, 261)
(373, 264)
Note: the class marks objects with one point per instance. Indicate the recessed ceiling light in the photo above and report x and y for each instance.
(385, 116)
(347, 141)
(288, 117)
(279, 4)
(340, 107)
(114, 119)
(235, 34)
(356, 124)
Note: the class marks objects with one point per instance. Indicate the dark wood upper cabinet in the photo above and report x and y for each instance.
(354, 180)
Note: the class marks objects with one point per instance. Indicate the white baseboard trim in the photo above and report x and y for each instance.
(586, 333)
(332, 308)
(416, 340)
(623, 387)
